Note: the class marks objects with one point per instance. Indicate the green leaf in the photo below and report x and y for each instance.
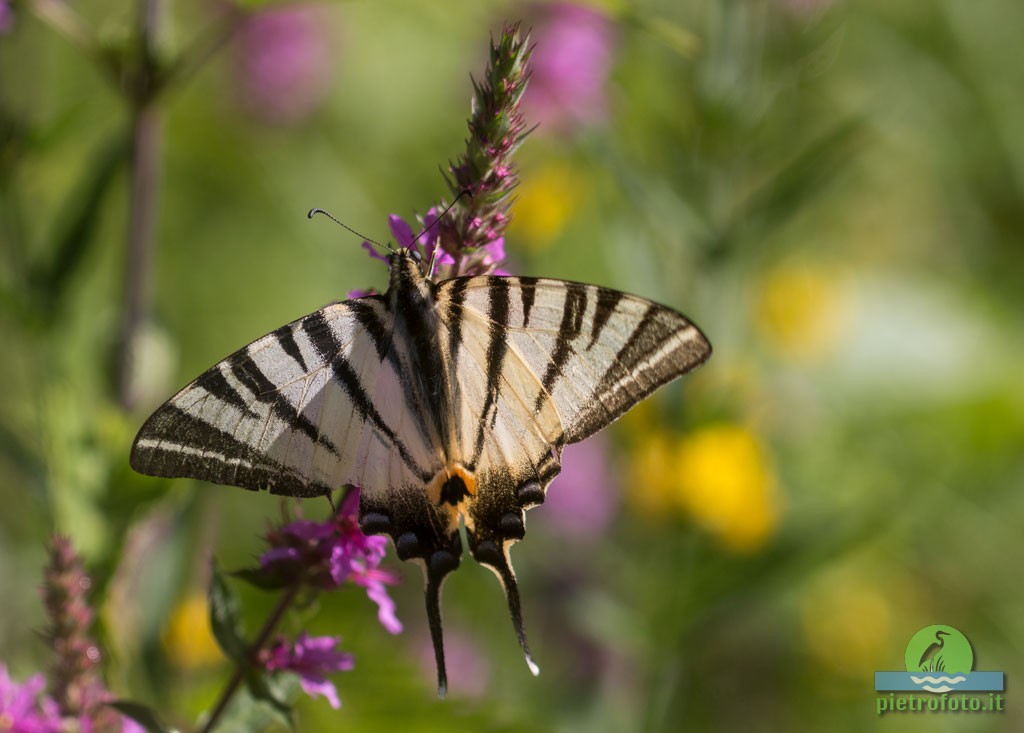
(77, 226)
(224, 618)
(144, 715)
(262, 579)
(275, 690)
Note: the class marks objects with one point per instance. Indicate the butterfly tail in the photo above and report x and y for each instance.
(435, 571)
(494, 556)
(420, 534)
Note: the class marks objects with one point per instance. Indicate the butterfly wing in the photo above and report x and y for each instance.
(307, 408)
(540, 363)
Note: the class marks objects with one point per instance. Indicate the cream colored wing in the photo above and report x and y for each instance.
(302, 411)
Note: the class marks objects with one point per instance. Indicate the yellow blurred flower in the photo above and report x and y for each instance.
(727, 486)
(654, 475)
(847, 625)
(798, 311)
(718, 475)
(187, 637)
(546, 199)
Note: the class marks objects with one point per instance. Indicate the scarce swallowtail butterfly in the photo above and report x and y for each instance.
(444, 401)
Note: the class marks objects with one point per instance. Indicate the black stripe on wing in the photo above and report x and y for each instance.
(286, 340)
(371, 315)
(607, 300)
(330, 350)
(573, 308)
(527, 295)
(456, 298)
(496, 347)
(245, 369)
(215, 383)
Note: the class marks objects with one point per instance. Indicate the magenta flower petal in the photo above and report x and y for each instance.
(314, 687)
(350, 504)
(430, 229)
(372, 249)
(284, 60)
(23, 708)
(340, 564)
(319, 654)
(130, 726)
(6, 17)
(401, 231)
(279, 554)
(306, 529)
(569, 67)
(495, 250)
(312, 658)
(378, 593)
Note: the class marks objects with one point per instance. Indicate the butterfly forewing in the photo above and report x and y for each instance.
(592, 352)
(297, 412)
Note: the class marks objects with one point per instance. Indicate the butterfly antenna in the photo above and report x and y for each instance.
(314, 211)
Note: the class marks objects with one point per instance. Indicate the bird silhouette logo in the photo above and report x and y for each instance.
(939, 648)
(932, 659)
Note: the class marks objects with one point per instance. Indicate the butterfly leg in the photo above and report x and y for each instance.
(423, 534)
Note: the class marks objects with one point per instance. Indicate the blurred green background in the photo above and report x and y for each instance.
(833, 191)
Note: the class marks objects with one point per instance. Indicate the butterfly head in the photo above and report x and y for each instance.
(415, 255)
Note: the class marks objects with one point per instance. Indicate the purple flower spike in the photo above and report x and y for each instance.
(24, 709)
(469, 238)
(312, 658)
(486, 170)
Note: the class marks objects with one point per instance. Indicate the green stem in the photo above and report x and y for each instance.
(261, 639)
(209, 41)
(244, 665)
(145, 180)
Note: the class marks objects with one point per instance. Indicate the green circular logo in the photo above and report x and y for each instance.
(939, 648)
